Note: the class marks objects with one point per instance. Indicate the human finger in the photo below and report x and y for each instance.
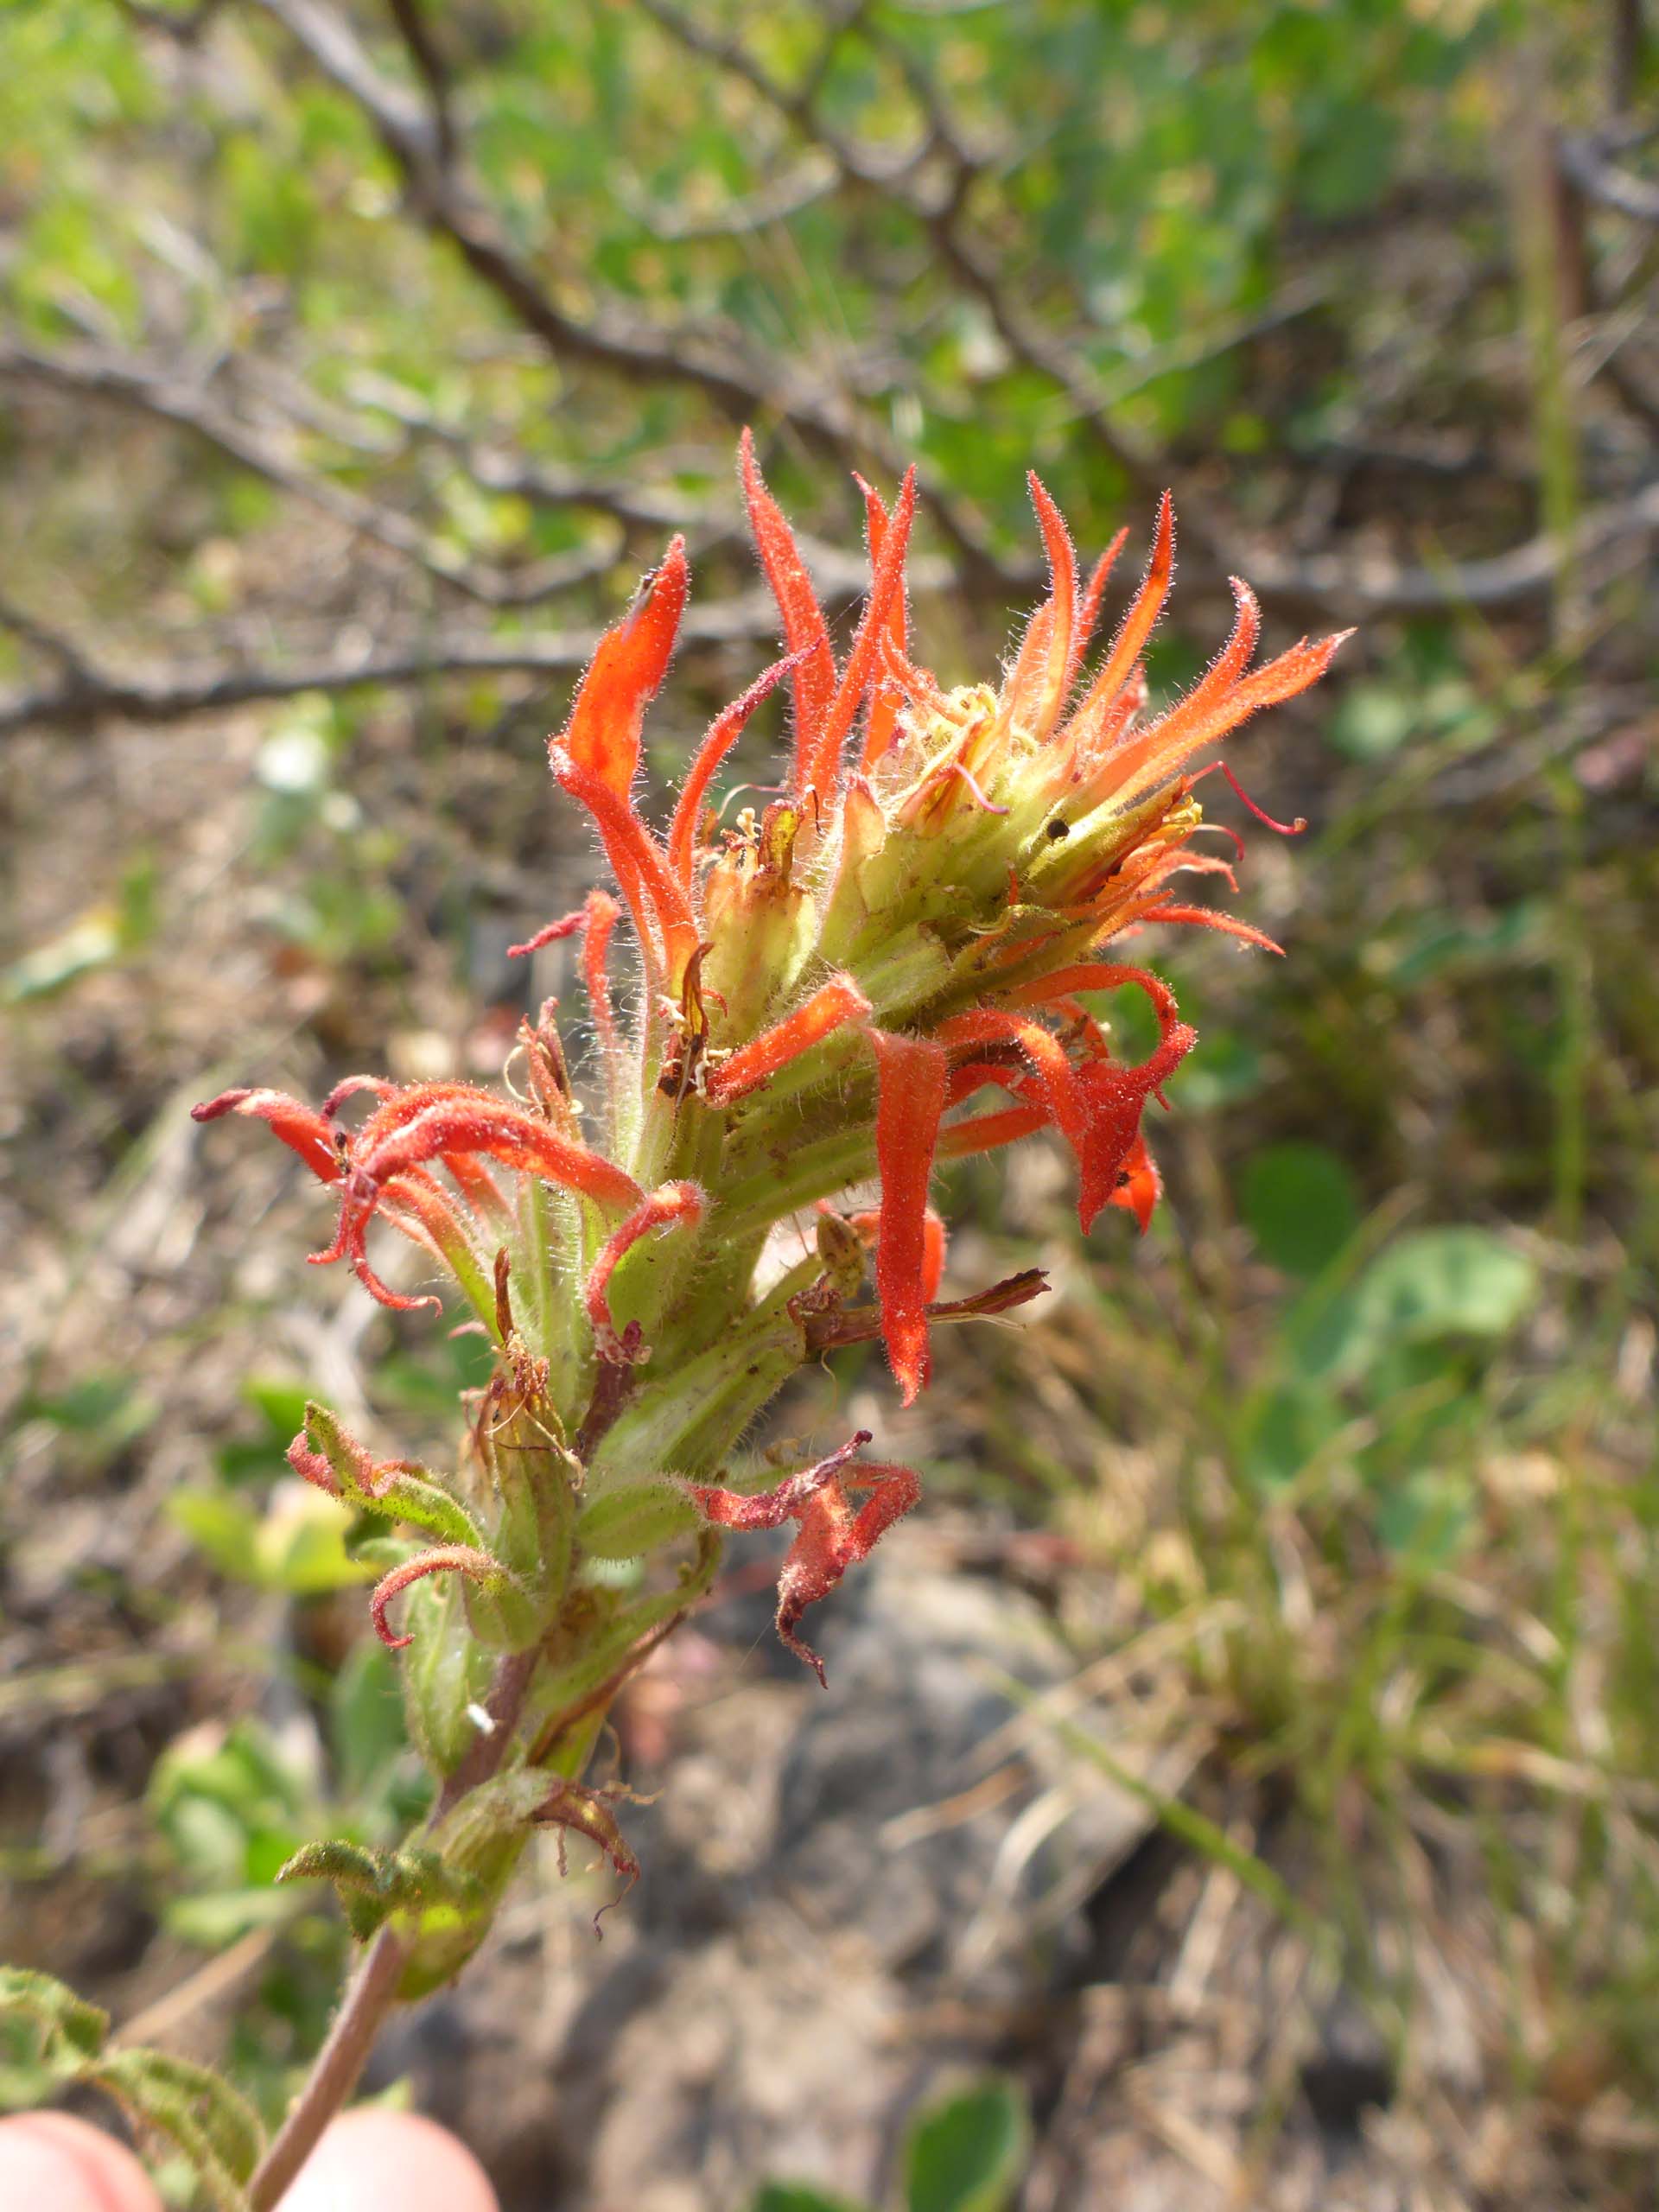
(51, 2162)
(373, 2160)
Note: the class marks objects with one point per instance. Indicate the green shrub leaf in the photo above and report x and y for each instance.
(968, 2153)
(1301, 1205)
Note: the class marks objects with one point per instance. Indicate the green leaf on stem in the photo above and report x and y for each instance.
(72, 2029)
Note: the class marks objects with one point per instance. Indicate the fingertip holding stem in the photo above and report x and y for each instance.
(374, 2161)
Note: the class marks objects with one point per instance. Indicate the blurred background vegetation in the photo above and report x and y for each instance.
(356, 357)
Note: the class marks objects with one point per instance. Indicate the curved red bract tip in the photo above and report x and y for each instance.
(820, 763)
(443, 1559)
(830, 1007)
(681, 1202)
(623, 676)
(301, 1128)
(804, 630)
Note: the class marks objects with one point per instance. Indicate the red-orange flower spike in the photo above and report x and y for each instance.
(626, 670)
(910, 1099)
(949, 896)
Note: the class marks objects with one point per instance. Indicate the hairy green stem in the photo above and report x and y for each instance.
(337, 2069)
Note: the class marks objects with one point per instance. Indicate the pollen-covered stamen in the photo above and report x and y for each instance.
(909, 1100)
(830, 1007)
(681, 1202)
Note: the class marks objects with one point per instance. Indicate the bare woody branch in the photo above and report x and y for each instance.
(186, 407)
(708, 357)
(86, 695)
(1316, 586)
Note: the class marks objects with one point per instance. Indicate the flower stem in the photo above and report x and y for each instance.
(334, 2074)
